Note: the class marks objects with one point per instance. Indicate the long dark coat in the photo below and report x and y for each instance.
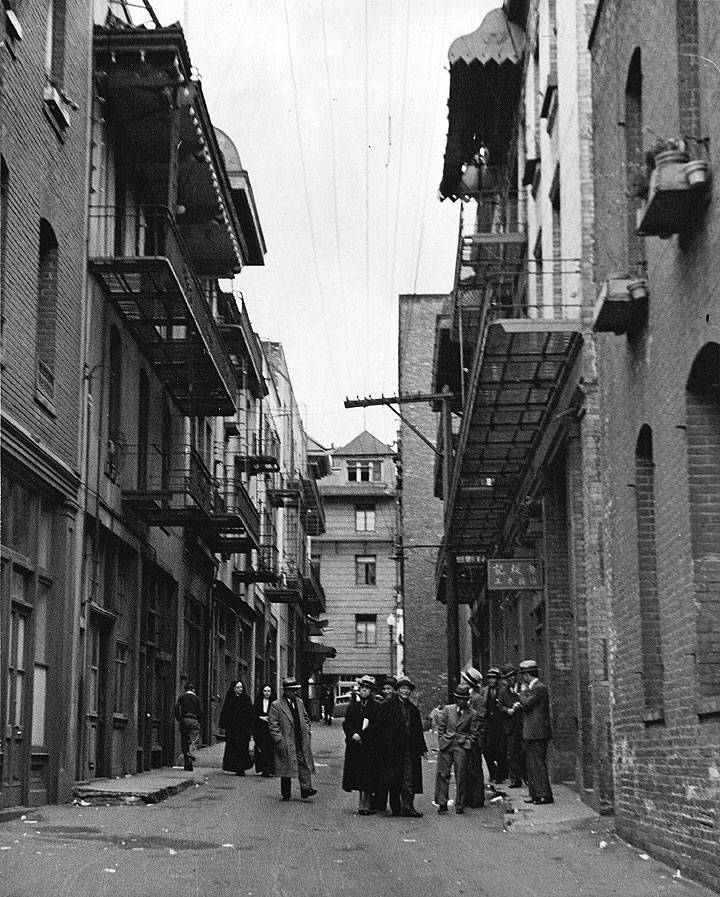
(282, 732)
(391, 743)
(236, 717)
(264, 746)
(359, 769)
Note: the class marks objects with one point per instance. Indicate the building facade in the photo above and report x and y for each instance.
(357, 557)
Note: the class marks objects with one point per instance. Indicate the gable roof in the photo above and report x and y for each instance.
(365, 444)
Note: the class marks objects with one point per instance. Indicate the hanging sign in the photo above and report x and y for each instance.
(513, 573)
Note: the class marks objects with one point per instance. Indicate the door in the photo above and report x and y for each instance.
(14, 769)
(97, 701)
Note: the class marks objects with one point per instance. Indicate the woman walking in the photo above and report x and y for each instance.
(236, 718)
(264, 747)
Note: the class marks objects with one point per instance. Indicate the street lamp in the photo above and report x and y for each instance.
(391, 623)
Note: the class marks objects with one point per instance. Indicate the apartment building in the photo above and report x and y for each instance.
(358, 560)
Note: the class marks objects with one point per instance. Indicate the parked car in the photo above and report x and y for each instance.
(341, 705)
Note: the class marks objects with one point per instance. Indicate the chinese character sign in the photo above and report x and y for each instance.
(513, 573)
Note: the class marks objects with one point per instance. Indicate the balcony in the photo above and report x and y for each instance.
(139, 259)
(241, 340)
(265, 566)
(260, 452)
(176, 489)
(677, 195)
(313, 592)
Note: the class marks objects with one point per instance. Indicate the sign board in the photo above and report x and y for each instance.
(513, 573)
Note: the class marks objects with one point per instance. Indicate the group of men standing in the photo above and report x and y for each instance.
(384, 744)
(508, 723)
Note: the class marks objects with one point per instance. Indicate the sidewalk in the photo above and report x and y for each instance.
(149, 787)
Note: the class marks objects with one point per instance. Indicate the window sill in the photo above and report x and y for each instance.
(708, 707)
(45, 402)
(120, 721)
(652, 715)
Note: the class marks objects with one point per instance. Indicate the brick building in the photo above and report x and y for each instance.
(356, 555)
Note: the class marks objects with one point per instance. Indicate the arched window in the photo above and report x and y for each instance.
(650, 629)
(636, 185)
(47, 300)
(115, 389)
(703, 443)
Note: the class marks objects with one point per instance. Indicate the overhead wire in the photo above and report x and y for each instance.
(367, 200)
(303, 168)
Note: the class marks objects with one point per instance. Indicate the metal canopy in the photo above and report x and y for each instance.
(521, 373)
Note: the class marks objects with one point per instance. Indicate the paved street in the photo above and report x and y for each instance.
(232, 836)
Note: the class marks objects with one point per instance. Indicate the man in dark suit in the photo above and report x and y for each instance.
(512, 723)
(398, 736)
(535, 704)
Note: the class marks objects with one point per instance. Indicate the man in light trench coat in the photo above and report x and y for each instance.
(289, 727)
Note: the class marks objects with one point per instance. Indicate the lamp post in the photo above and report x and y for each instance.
(391, 623)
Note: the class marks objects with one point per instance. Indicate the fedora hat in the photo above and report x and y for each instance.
(472, 677)
(493, 671)
(403, 680)
(462, 690)
(507, 670)
(527, 666)
(390, 680)
(367, 681)
(290, 682)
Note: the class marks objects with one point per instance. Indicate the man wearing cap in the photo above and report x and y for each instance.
(359, 768)
(457, 732)
(400, 741)
(474, 775)
(494, 741)
(289, 728)
(535, 704)
(512, 724)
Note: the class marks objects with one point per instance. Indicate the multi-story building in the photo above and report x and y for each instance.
(357, 556)
(44, 111)
(141, 532)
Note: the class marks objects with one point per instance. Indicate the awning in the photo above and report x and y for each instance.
(485, 82)
(513, 398)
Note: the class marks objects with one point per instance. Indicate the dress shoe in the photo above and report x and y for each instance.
(412, 813)
(442, 809)
(459, 811)
(364, 813)
(240, 773)
(285, 798)
(545, 800)
(530, 800)
(309, 792)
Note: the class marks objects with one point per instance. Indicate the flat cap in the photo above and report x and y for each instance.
(527, 666)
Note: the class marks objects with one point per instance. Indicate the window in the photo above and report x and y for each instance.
(364, 471)
(365, 518)
(365, 629)
(47, 294)
(121, 662)
(365, 570)
(55, 41)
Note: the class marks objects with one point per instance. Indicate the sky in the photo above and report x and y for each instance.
(338, 109)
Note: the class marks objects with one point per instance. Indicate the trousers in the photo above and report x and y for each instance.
(453, 757)
(537, 774)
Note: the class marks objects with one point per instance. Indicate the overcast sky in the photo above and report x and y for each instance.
(338, 109)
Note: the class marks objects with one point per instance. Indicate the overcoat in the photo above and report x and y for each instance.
(391, 743)
(536, 712)
(359, 768)
(236, 717)
(282, 732)
(264, 745)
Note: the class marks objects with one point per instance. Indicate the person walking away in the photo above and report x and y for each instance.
(474, 775)
(512, 723)
(358, 769)
(457, 732)
(537, 733)
(189, 713)
(382, 792)
(236, 718)
(328, 704)
(494, 748)
(264, 747)
(289, 727)
(401, 744)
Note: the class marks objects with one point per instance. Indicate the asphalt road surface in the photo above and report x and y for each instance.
(232, 837)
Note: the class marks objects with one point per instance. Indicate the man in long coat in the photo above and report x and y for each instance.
(359, 768)
(535, 704)
(289, 728)
(512, 722)
(400, 743)
(474, 775)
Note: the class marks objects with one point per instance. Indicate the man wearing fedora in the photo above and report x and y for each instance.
(494, 740)
(474, 775)
(398, 735)
(289, 728)
(359, 767)
(535, 704)
(457, 732)
(512, 723)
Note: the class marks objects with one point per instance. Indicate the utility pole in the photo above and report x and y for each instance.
(451, 620)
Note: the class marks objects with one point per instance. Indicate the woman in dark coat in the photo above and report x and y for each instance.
(359, 767)
(236, 717)
(264, 747)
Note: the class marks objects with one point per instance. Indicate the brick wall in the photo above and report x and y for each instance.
(422, 513)
(667, 785)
